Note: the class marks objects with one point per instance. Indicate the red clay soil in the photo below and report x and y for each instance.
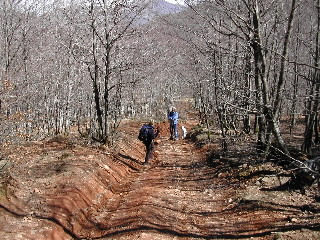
(61, 189)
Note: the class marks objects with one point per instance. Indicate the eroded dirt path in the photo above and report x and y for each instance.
(179, 194)
(59, 189)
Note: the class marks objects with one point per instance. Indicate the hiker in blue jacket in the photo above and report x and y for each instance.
(146, 135)
(173, 118)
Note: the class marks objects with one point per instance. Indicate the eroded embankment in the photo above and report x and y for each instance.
(60, 190)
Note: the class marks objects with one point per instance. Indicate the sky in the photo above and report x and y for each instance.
(175, 2)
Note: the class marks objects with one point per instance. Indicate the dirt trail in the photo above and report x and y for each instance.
(178, 193)
(61, 189)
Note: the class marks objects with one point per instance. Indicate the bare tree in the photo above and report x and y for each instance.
(16, 23)
(311, 127)
(252, 29)
(109, 23)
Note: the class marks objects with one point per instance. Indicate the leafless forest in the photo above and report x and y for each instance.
(245, 65)
(79, 77)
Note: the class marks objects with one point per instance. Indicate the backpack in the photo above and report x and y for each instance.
(144, 133)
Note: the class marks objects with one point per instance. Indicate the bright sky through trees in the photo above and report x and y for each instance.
(176, 1)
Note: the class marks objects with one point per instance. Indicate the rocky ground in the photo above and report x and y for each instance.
(62, 188)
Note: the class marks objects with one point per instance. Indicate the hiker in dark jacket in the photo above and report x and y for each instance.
(147, 140)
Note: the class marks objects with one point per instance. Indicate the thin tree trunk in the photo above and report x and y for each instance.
(313, 104)
(279, 91)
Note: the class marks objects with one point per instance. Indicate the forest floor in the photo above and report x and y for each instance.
(187, 192)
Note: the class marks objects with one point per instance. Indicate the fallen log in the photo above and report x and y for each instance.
(305, 174)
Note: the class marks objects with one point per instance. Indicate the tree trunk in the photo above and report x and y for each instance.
(271, 113)
(313, 103)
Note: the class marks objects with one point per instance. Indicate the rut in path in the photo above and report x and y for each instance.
(179, 193)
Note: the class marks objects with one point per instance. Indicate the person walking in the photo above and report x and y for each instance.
(147, 134)
(173, 118)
